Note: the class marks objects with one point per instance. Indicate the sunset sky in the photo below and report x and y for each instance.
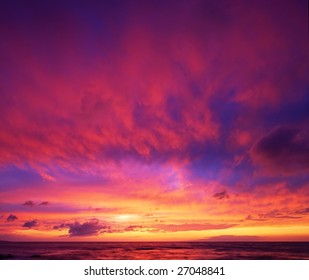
(154, 120)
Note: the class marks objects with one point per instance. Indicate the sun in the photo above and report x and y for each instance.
(126, 217)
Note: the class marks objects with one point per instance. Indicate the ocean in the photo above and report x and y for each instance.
(154, 250)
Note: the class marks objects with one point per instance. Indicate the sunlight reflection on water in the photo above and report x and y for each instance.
(154, 250)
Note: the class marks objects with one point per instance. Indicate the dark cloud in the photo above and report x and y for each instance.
(30, 224)
(221, 195)
(29, 203)
(133, 228)
(252, 218)
(88, 228)
(44, 203)
(11, 218)
(275, 214)
(287, 217)
(61, 226)
(285, 149)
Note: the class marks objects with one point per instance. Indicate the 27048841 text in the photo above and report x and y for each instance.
(139, 271)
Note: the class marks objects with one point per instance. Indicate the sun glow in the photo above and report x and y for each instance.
(126, 217)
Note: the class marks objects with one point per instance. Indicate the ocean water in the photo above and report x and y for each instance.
(154, 250)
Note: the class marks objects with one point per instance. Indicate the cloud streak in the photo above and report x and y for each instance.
(191, 227)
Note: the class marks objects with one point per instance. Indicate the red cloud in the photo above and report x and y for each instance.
(153, 100)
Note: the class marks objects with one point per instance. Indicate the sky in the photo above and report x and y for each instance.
(154, 120)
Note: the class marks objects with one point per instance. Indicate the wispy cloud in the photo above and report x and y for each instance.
(190, 227)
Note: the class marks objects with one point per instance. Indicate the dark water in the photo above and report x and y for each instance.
(155, 250)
